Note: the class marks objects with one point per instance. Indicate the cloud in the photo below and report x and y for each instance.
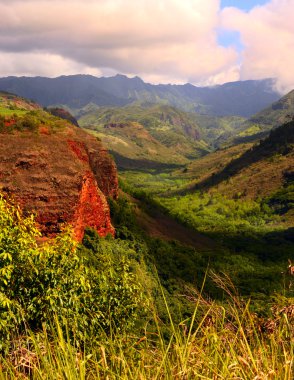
(267, 33)
(167, 41)
(42, 64)
(159, 40)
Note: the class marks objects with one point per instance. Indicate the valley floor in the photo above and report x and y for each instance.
(160, 225)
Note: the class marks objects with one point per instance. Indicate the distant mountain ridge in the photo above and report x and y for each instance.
(77, 91)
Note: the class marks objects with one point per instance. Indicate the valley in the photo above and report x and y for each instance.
(232, 197)
(147, 190)
(189, 213)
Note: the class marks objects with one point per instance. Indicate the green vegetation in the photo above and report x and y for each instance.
(254, 129)
(156, 132)
(4, 111)
(214, 213)
(20, 115)
(93, 288)
(153, 303)
(14, 105)
(133, 146)
(153, 181)
(81, 312)
(259, 125)
(254, 236)
(22, 121)
(224, 343)
(250, 246)
(32, 121)
(215, 130)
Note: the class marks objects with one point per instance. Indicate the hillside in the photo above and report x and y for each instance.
(63, 114)
(168, 124)
(77, 91)
(261, 169)
(13, 104)
(277, 114)
(158, 133)
(54, 169)
(132, 146)
(259, 125)
(205, 167)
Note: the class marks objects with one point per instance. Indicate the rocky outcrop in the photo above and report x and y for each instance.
(63, 175)
(88, 211)
(63, 114)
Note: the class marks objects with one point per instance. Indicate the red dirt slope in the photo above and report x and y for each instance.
(63, 175)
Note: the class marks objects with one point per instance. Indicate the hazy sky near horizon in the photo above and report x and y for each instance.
(203, 42)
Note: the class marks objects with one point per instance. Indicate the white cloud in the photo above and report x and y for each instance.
(41, 64)
(267, 33)
(167, 40)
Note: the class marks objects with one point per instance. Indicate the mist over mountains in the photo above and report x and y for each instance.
(236, 98)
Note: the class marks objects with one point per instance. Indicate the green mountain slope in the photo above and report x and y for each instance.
(12, 104)
(262, 171)
(132, 146)
(259, 125)
(277, 114)
(189, 135)
(151, 132)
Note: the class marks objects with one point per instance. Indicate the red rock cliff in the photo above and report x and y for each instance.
(64, 175)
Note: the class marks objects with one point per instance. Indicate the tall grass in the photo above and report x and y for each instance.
(217, 342)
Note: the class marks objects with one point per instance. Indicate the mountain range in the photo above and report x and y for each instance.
(77, 91)
(145, 125)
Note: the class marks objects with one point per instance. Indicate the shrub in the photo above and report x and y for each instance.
(39, 281)
(27, 123)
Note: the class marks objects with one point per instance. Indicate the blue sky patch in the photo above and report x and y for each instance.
(230, 38)
(245, 5)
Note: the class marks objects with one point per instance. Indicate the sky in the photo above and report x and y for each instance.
(203, 42)
(246, 5)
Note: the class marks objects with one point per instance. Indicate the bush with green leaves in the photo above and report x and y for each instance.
(42, 280)
(28, 122)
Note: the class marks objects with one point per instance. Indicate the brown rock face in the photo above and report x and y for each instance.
(63, 175)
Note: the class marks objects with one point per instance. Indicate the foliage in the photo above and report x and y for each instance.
(283, 199)
(151, 181)
(29, 121)
(53, 278)
(215, 213)
(11, 112)
(250, 246)
(216, 342)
